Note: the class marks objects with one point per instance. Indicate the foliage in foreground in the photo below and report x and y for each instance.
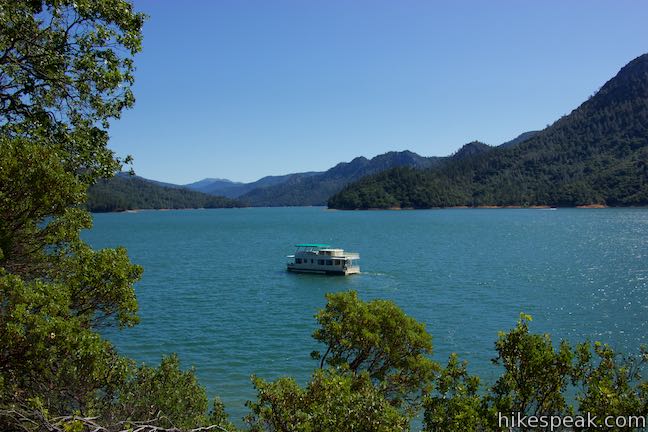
(536, 379)
(331, 401)
(66, 71)
(379, 339)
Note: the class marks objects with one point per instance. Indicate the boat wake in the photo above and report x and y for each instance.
(366, 273)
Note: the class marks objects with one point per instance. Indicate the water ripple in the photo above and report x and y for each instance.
(215, 292)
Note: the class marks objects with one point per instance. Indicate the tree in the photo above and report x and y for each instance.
(611, 384)
(171, 396)
(331, 402)
(371, 377)
(535, 374)
(455, 404)
(66, 70)
(378, 339)
(535, 381)
(50, 361)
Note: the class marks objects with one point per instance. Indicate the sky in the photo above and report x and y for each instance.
(241, 89)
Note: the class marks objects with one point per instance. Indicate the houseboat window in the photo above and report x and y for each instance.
(329, 262)
(297, 260)
(312, 261)
(320, 262)
(336, 262)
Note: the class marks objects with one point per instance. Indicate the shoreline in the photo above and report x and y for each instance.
(481, 207)
(495, 207)
(163, 209)
(488, 207)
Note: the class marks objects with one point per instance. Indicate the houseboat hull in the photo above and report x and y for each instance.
(324, 272)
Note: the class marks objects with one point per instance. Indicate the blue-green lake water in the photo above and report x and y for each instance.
(215, 290)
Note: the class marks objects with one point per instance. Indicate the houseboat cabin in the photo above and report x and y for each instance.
(323, 259)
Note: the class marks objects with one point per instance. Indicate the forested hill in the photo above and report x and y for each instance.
(316, 188)
(598, 154)
(124, 192)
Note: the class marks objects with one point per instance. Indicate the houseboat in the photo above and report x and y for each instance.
(323, 259)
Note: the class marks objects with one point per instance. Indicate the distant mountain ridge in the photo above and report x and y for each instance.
(213, 186)
(596, 155)
(313, 187)
(520, 138)
(232, 189)
(316, 188)
(206, 183)
(127, 192)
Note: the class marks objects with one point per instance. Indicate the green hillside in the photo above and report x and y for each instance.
(315, 189)
(598, 154)
(124, 192)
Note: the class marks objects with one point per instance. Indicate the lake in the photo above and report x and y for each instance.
(215, 289)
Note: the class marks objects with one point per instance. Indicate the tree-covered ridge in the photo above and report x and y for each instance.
(124, 192)
(297, 189)
(300, 190)
(520, 138)
(231, 189)
(598, 154)
(315, 189)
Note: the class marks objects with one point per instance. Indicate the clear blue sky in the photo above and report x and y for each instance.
(241, 89)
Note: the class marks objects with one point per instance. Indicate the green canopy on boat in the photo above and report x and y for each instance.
(313, 245)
